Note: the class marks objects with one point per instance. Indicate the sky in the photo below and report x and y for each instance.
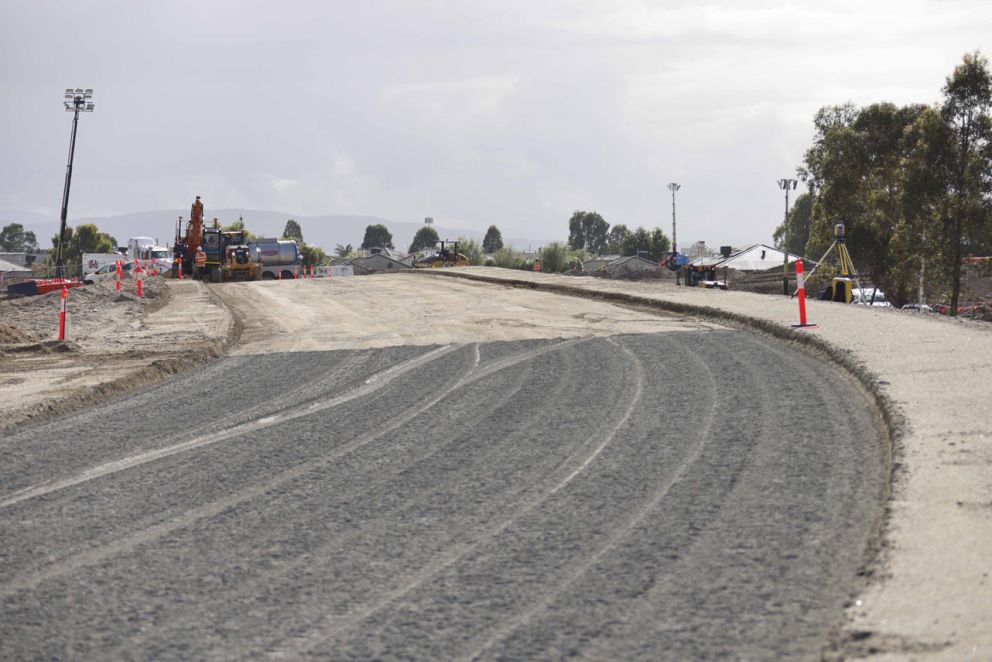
(514, 113)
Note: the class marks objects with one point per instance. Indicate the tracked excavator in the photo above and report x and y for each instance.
(185, 245)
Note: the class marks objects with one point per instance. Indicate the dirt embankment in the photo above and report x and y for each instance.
(115, 342)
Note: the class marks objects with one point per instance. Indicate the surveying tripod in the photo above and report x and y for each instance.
(847, 273)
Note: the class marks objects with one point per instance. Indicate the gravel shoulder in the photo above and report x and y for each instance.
(928, 595)
(115, 343)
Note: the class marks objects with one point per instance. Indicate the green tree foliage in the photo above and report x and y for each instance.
(616, 237)
(798, 220)
(654, 242)
(238, 226)
(345, 250)
(472, 249)
(493, 240)
(965, 111)
(555, 257)
(14, 239)
(587, 230)
(912, 183)
(377, 236)
(86, 238)
(313, 255)
(509, 258)
(425, 238)
(293, 231)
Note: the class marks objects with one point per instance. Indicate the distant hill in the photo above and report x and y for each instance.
(323, 231)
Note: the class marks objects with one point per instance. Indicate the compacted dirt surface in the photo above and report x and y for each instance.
(408, 467)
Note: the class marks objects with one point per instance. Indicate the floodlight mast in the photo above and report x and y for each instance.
(673, 187)
(785, 185)
(77, 101)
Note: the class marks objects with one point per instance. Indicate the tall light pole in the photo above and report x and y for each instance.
(785, 185)
(673, 187)
(77, 101)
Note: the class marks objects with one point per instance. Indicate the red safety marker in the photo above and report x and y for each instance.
(118, 275)
(137, 274)
(801, 290)
(65, 297)
(180, 268)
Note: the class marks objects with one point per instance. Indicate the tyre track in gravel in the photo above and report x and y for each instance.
(528, 499)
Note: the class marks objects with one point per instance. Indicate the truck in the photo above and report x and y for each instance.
(279, 258)
(93, 261)
(138, 247)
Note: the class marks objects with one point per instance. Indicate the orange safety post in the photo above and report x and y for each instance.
(137, 274)
(65, 297)
(180, 268)
(118, 276)
(801, 291)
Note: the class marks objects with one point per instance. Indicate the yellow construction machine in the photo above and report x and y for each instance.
(443, 257)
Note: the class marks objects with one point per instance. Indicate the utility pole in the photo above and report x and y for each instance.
(77, 101)
(786, 184)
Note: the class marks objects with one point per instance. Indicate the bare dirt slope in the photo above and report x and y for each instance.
(114, 342)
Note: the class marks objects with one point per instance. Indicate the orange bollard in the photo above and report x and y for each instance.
(65, 298)
(137, 274)
(118, 287)
(180, 268)
(801, 291)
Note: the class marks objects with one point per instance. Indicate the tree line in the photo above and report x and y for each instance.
(912, 183)
(589, 232)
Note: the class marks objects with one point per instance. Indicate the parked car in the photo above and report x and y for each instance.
(869, 296)
(108, 271)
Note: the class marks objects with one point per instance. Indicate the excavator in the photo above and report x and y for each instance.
(443, 257)
(229, 258)
(184, 248)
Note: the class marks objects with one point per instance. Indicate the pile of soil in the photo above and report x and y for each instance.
(93, 312)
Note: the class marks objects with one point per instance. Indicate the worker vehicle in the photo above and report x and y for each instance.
(184, 248)
(277, 258)
(240, 261)
(443, 257)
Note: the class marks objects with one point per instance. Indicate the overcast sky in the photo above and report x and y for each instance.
(511, 112)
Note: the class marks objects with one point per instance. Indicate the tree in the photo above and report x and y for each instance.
(554, 257)
(615, 238)
(426, 237)
(14, 239)
(493, 240)
(660, 244)
(576, 237)
(312, 255)
(589, 231)
(86, 238)
(293, 231)
(377, 236)
(967, 102)
(343, 251)
(509, 258)
(238, 226)
(471, 249)
(798, 220)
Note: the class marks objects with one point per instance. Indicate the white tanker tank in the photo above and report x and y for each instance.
(277, 257)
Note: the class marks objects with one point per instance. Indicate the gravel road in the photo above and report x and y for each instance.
(669, 495)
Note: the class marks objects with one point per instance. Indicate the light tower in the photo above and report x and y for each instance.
(786, 185)
(76, 101)
(673, 187)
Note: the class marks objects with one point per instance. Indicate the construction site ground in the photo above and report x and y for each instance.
(926, 595)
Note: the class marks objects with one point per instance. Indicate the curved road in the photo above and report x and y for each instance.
(650, 496)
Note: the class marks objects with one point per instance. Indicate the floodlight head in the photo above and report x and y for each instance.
(79, 90)
(68, 106)
(88, 93)
(89, 107)
(674, 187)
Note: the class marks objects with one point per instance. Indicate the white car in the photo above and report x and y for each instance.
(869, 296)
